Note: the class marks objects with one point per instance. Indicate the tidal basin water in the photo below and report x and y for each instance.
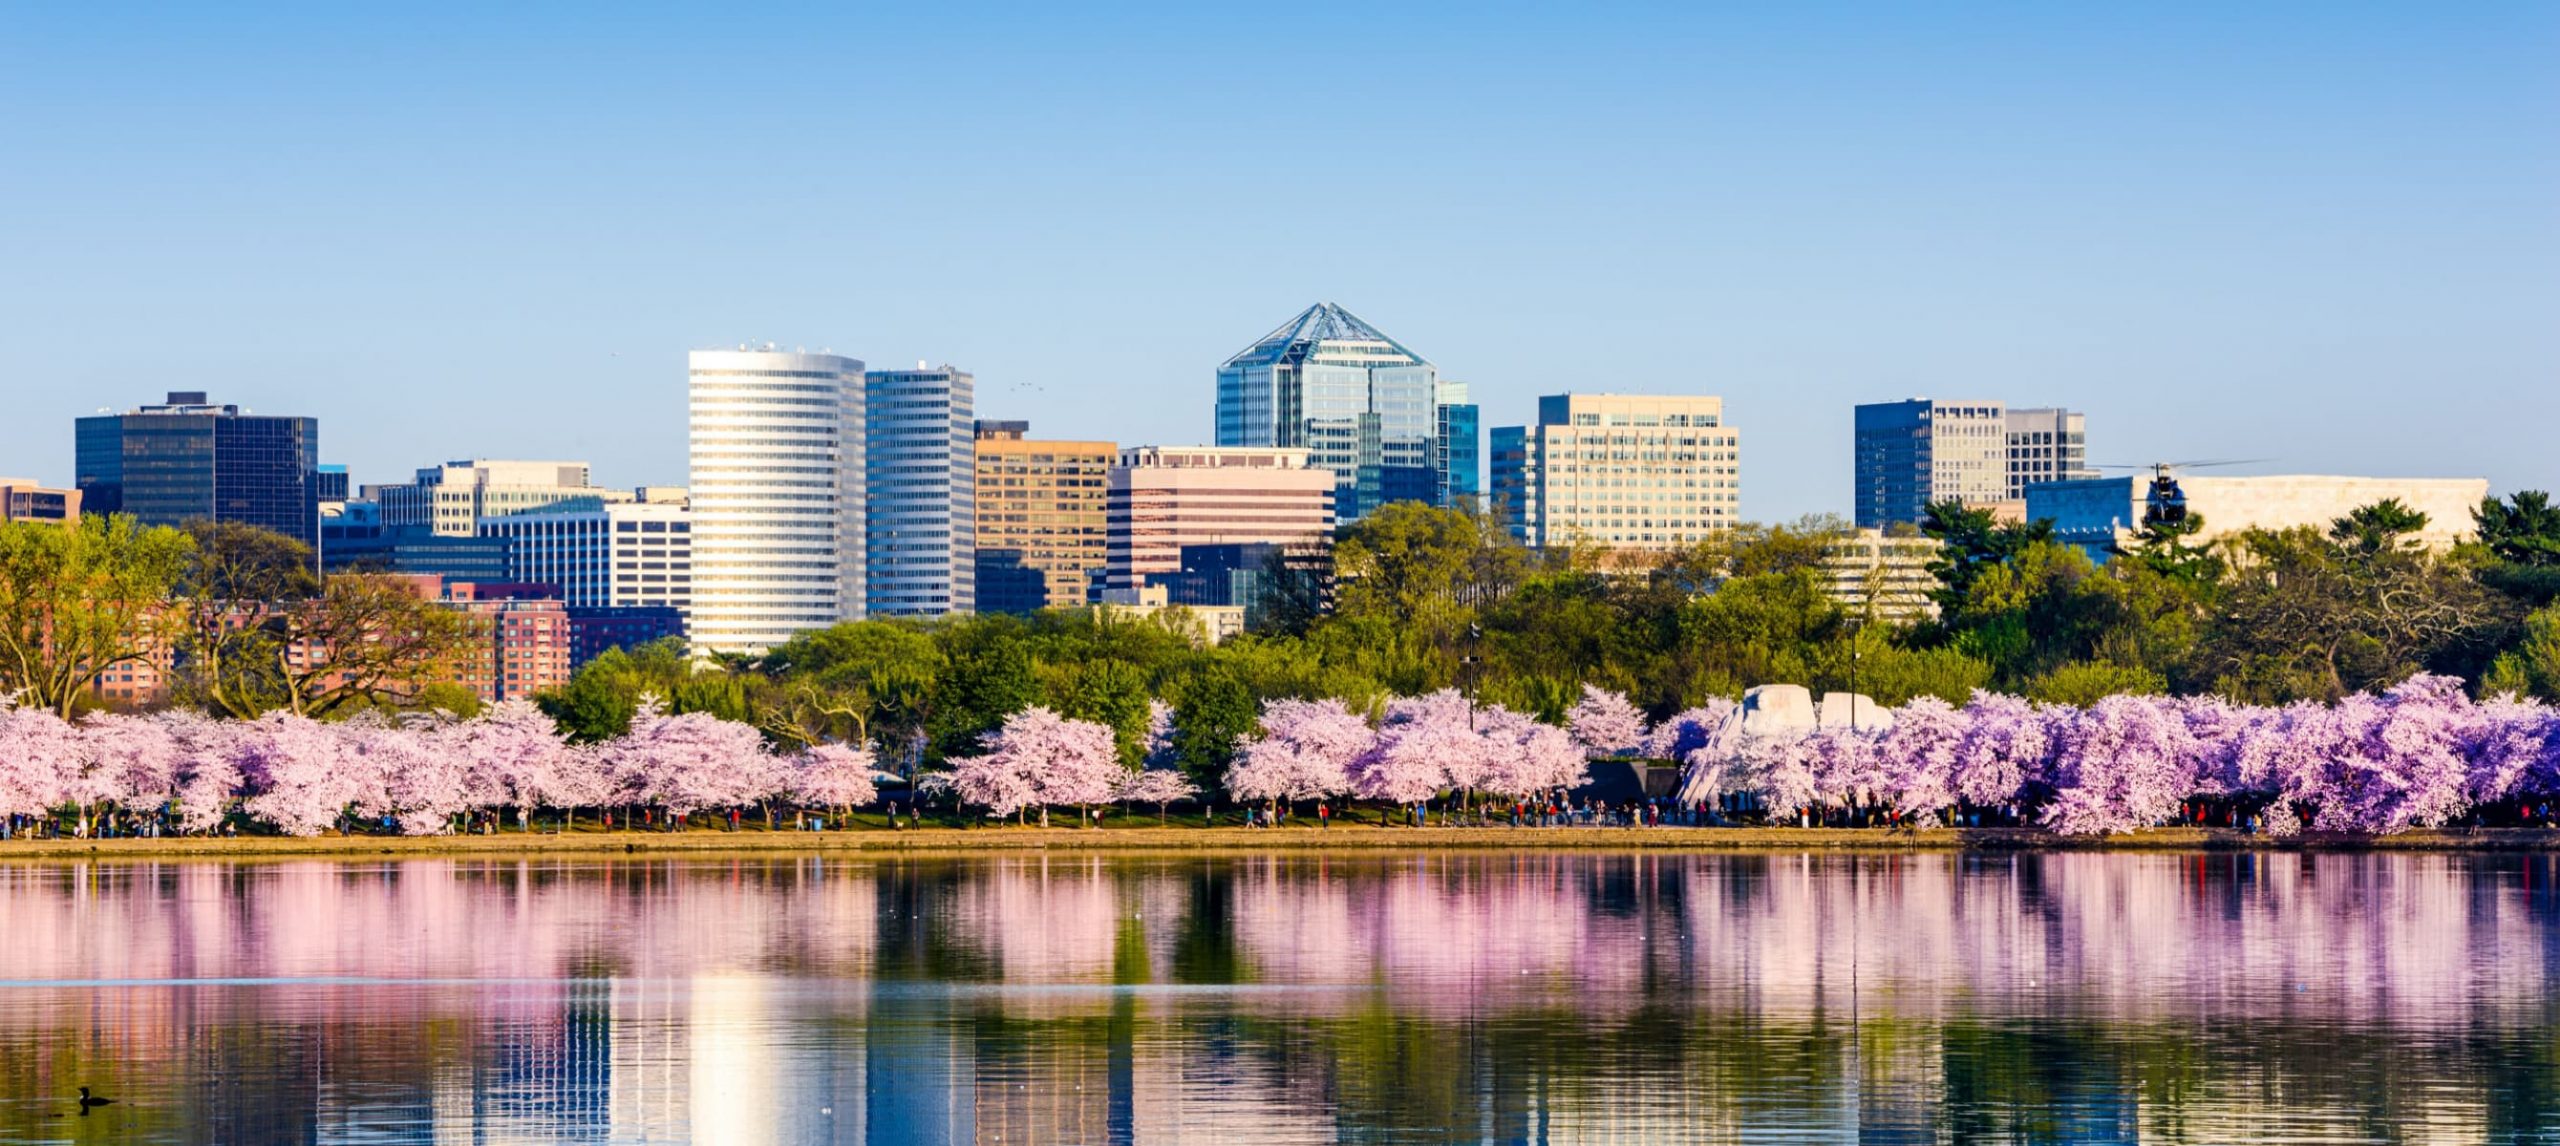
(1537, 997)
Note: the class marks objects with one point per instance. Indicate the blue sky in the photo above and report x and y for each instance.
(2323, 234)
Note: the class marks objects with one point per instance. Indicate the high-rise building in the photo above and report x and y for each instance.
(190, 459)
(1360, 404)
(1626, 471)
(452, 498)
(1163, 498)
(611, 556)
(2048, 444)
(921, 520)
(1043, 528)
(777, 486)
(21, 499)
(1912, 453)
(1457, 459)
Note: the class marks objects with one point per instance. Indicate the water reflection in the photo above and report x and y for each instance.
(1535, 997)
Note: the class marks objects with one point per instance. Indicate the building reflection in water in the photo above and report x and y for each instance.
(1505, 998)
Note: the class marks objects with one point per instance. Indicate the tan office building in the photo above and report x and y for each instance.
(1166, 497)
(1041, 520)
(1625, 471)
(21, 499)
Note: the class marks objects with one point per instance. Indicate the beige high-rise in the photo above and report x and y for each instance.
(1625, 471)
(1042, 518)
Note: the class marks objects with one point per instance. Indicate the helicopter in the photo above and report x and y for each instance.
(2167, 504)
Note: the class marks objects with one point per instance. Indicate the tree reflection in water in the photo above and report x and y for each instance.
(1521, 997)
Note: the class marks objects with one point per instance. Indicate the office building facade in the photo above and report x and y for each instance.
(1457, 460)
(2104, 514)
(1043, 522)
(1163, 498)
(920, 524)
(1909, 454)
(2047, 444)
(626, 555)
(191, 459)
(453, 498)
(1623, 471)
(1362, 406)
(21, 499)
(776, 447)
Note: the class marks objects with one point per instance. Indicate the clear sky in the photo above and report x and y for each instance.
(2324, 234)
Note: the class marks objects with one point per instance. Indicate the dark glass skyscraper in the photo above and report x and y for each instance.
(190, 460)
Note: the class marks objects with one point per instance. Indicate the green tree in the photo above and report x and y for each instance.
(2530, 667)
(79, 601)
(991, 677)
(239, 603)
(1214, 711)
(2085, 683)
(2307, 615)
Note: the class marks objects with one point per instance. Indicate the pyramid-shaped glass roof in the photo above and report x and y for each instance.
(1323, 322)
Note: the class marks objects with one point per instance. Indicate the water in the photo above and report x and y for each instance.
(1399, 998)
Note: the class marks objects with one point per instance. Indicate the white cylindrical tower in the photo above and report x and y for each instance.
(777, 487)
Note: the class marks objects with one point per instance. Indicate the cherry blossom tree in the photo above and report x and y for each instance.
(1778, 765)
(123, 760)
(208, 767)
(2387, 763)
(514, 755)
(2007, 747)
(1158, 786)
(2509, 748)
(1041, 759)
(427, 781)
(2123, 763)
(1413, 758)
(688, 762)
(1304, 752)
(1605, 723)
(300, 776)
(1917, 756)
(1693, 729)
(1530, 757)
(834, 776)
(38, 753)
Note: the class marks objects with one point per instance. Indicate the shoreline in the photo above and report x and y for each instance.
(1342, 838)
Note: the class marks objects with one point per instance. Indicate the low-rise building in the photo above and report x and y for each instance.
(1217, 623)
(22, 499)
(593, 630)
(2101, 514)
(1883, 576)
(528, 639)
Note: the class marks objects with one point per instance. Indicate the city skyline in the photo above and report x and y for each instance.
(2127, 215)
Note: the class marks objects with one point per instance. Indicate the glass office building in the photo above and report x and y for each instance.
(191, 460)
(1361, 404)
(1458, 458)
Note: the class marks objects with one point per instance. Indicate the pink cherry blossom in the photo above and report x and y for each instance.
(1606, 724)
(1041, 759)
(834, 776)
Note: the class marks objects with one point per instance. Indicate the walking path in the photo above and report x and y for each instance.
(1340, 838)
